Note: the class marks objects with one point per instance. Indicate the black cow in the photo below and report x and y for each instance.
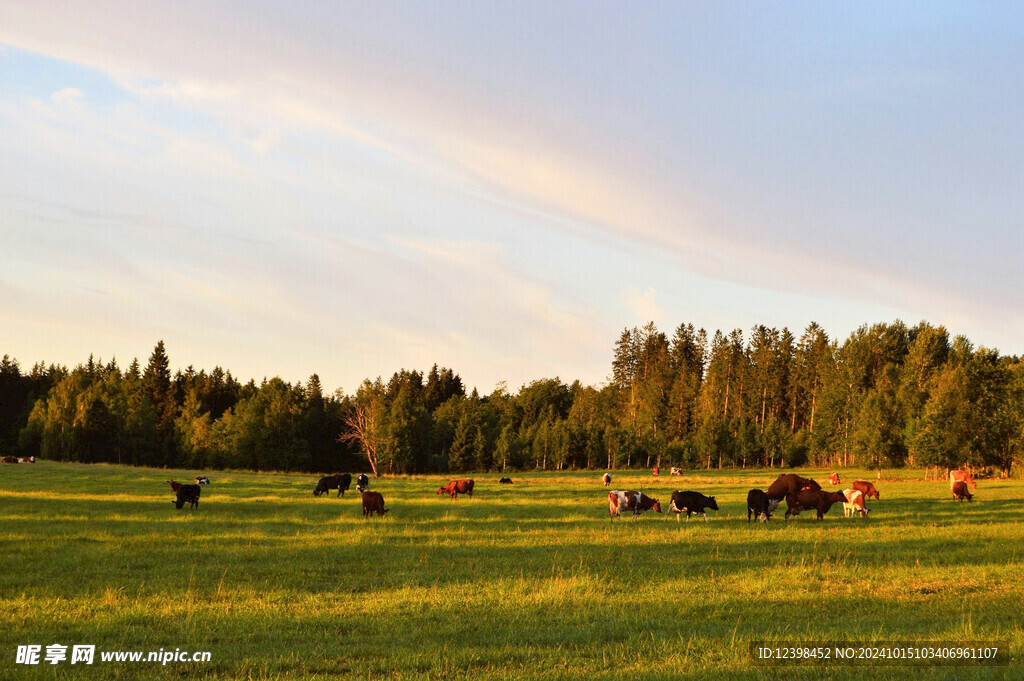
(758, 504)
(187, 494)
(691, 503)
(338, 482)
(362, 482)
(505, 481)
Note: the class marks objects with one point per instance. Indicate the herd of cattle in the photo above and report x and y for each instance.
(799, 493)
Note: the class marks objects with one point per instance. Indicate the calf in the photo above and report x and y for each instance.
(606, 479)
(187, 494)
(505, 481)
(202, 480)
(456, 487)
(759, 505)
(675, 470)
(638, 502)
(833, 478)
(960, 491)
(373, 502)
(818, 499)
(866, 488)
(362, 482)
(961, 476)
(854, 503)
(691, 503)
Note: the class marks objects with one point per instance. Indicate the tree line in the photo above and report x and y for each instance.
(889, 395)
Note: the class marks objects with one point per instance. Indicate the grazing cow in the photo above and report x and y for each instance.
(691, 503)
(457, 487)
(9, 459)
(961, 476)
(833, 478)
(638, 502)
(338, 482)
(854, 503)
(26, 459)
(606, 479)
(362, 482)
(655, 472)
(202, 480)
(818, 499)
(187, 494)
(960, 491)
(675, 470)
(866, 487)
(373, 502)
(759, 505)
(505, 481)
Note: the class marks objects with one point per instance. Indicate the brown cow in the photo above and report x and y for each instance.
(786, 486)
(960, 491)
(833, 478)
(456, 487)
(606, 479)
(638, 502)
(817, 499)
(9, 459)
(961, 476)
(373, 502)
(866, 487)
(655, 472)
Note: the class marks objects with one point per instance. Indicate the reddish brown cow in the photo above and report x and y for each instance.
(960, 491)
(961, 476)
(833, 478)
(655, 472)
(373, 502)
(456, 487)
(638, 502)
(817, 499)
(866, 488)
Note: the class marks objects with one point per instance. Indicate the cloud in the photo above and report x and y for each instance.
(644, 305)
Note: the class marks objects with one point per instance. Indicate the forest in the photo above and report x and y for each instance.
(889, 395)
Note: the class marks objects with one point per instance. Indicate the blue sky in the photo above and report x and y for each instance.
(352, 188)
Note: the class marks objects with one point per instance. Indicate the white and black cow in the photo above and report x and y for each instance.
(202, 480)
(606, 479)
(691, 503)
(621, 501)
(362, 482)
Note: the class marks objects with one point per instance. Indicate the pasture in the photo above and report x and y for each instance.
(528, 581)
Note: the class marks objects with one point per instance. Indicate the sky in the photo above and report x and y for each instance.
(352, 188)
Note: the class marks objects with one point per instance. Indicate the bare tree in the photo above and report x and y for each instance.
(363, 424)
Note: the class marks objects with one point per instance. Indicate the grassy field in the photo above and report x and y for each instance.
(521, 582)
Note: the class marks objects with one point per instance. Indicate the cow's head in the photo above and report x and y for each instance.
(764, 517)
(713, 504)
(179, 504)
(656, 506)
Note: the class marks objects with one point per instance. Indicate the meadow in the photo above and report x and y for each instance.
(529, 581)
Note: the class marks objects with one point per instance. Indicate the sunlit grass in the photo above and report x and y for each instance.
(527, 581)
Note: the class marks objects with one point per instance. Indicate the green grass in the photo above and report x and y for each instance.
(527, 581)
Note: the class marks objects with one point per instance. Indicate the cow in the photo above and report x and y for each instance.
(505, 481)
(833, 478)
(202, 480)
(786, 487)
(373, 502)
(961, 476)
(456, 487)
(866, 487)
(362, 482)
(606, 479)
(691, 503)
(675, 470)
(818, 499)
(854, 503)
(759, 505)
(960, 491)
(338, 482)
(186, 494)
(638, 502)
(26, 459)
(655, 472)
(9, 459)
